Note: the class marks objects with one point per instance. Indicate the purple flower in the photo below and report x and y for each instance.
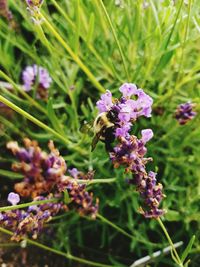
(74, 173)
(147, 134)
(144, 103)
(105, 103)
(127, 110)
(130, 151)
(122, 131)
(36, 75)
(44, 173)
(31, 221)
(13, 198)
(185, 113)
(128, 89)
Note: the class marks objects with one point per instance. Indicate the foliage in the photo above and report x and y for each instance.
(160, 45)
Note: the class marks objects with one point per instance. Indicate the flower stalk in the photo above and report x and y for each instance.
(22, 92)
(55, 251)
(28, 204)
(179, 262)
(33, 119)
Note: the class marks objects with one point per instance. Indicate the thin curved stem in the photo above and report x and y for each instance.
(170, 242)
(21, 91)
(96, 181)
(115, 37)
(28, 204)
(55, 251)
(103, 219)
(33, 119)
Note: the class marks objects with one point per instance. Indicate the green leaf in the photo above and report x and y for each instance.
(10, 174)
(187, 263)
(164, 61)
(67, 199)
(53, 118)
(91, 28)
(188, 249)
(39, 136)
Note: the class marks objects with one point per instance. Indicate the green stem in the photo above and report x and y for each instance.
(42, 125)
(55, 251)
(169, 38)
(21, 91)
(10, 174)
(170, 242)
(96, 181)
(33, 119)
(33, 203)
(103, 219)
(73, 55)
(115, 37)
(174, 24)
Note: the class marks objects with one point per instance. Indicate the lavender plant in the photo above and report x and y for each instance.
(73, 50)
(185, 113)
(129, 152)
(39, 77)
(44, 179)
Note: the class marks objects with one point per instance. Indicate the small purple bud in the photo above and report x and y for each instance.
(147, 134)
(128, 89)
(13, 198)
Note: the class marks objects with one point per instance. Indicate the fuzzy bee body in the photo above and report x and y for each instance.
(104, 126)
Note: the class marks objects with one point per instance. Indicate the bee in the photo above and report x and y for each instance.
(104, 127)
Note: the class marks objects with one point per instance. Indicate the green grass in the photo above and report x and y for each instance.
(158, 49)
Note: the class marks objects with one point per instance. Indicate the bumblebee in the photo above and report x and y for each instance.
(104, 126)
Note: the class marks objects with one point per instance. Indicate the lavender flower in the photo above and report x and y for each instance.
(130, 151)
(36, 75)
(44, 173)
(34, 10)
(31, 221)
(128, 89)
(74, 173)
(185, 113)
(128, 110)
(78, 194)
(13, 198)
(147, 134)
(105, 103)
